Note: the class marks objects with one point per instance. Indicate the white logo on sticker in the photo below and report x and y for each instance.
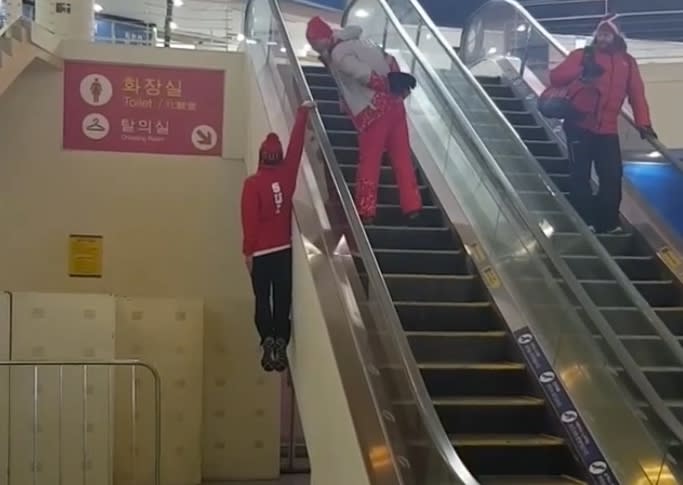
(547, 377)
(525, 338)
(569, 416)
(597, 467)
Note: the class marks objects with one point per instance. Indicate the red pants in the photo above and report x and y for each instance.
(388, 133)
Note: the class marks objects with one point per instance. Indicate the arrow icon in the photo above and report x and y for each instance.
(205, 137)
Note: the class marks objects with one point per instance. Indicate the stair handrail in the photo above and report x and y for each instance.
(6, 28)
(504, 184)
(424, 403)
(654, 142)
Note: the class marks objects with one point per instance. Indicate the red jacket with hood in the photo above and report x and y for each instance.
(267, 197)
(620, 79)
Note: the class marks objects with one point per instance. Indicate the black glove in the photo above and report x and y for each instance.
(647, 132)
(591, 69)
(401, 83)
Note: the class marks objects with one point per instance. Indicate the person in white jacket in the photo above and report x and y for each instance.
(372, 89)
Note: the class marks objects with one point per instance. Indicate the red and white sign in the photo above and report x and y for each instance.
(125, 108)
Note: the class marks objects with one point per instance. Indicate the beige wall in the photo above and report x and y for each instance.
(664, 83)
(171, 229)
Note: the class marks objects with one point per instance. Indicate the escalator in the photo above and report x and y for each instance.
(434, 348)
(636, 302)
(489, 405)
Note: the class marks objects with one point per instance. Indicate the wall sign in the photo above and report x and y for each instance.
(574, 426)
(126, 108)
(85, 256)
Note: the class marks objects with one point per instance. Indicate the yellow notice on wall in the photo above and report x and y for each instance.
(85, 256)
(671, 258)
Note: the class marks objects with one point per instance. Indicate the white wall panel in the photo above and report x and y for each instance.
(169, 334)
(61, 327)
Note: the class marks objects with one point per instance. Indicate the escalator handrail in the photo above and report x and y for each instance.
(656, 144)
(504, 184)
(418, 388)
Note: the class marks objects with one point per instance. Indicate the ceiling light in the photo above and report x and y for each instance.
(240, 37)
(361, 13)
(97, 7)
(654, 154)
(492, 51)
(173, 25)
(521, 28)
(283, 50)
(178, 3)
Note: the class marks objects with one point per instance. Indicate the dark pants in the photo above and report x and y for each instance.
(585, 148)
(271, 276)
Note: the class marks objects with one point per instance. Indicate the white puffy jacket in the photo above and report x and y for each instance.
(353, 62)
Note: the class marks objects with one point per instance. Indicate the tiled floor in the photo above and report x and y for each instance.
(285, 480)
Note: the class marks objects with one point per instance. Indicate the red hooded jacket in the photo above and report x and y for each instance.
(620, 79)
(267, 197)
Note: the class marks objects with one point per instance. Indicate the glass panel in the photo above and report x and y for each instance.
(478, 188)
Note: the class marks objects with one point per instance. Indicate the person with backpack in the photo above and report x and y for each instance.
(267, 244)
(372, 89)
(598, 79)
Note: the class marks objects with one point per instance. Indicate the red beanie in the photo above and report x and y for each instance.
(317, 30)
(271, 149)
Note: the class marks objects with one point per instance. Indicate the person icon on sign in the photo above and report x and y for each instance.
(96, 90)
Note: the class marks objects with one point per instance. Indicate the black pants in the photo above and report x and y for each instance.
(585, 148)
(271, 276)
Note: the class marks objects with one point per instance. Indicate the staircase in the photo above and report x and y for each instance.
(17, 51)
(488, 402)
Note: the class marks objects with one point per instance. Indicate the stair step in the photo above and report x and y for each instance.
(529, 480)
(475, 379)
(441, 316)
(401, 237)
(389, 194)
(460, 347)
(386, 176)
(427, 288)
(413, 261)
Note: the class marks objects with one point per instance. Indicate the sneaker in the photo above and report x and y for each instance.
(280, 362)
(267, 361)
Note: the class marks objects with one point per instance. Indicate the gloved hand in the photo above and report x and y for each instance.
(647, 132)
(401, 83)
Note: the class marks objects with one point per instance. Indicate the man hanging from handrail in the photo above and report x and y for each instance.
(372, 88)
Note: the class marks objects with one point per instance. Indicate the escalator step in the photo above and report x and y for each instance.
(573, 243)
(520, 117)
(386, 176)
(509, 104)
(533, 133)
(644, 268)
(330, 108)
(435, 288)
(323, 80)
(325, 93)
(668, 381)
(490, 80)
(346, 139)
(554, 164)
(392, 215)
(460, 347)
(456, 317)
(389, 195)
(486, 414)
(338, 123)
(529, 480)
(499, 91)
(311, 69)
(513, 454)
(401, 237)
(536, 201)
(487, 379)
(417, 262)
(530, 181)
(647, 351)
(543, 148)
